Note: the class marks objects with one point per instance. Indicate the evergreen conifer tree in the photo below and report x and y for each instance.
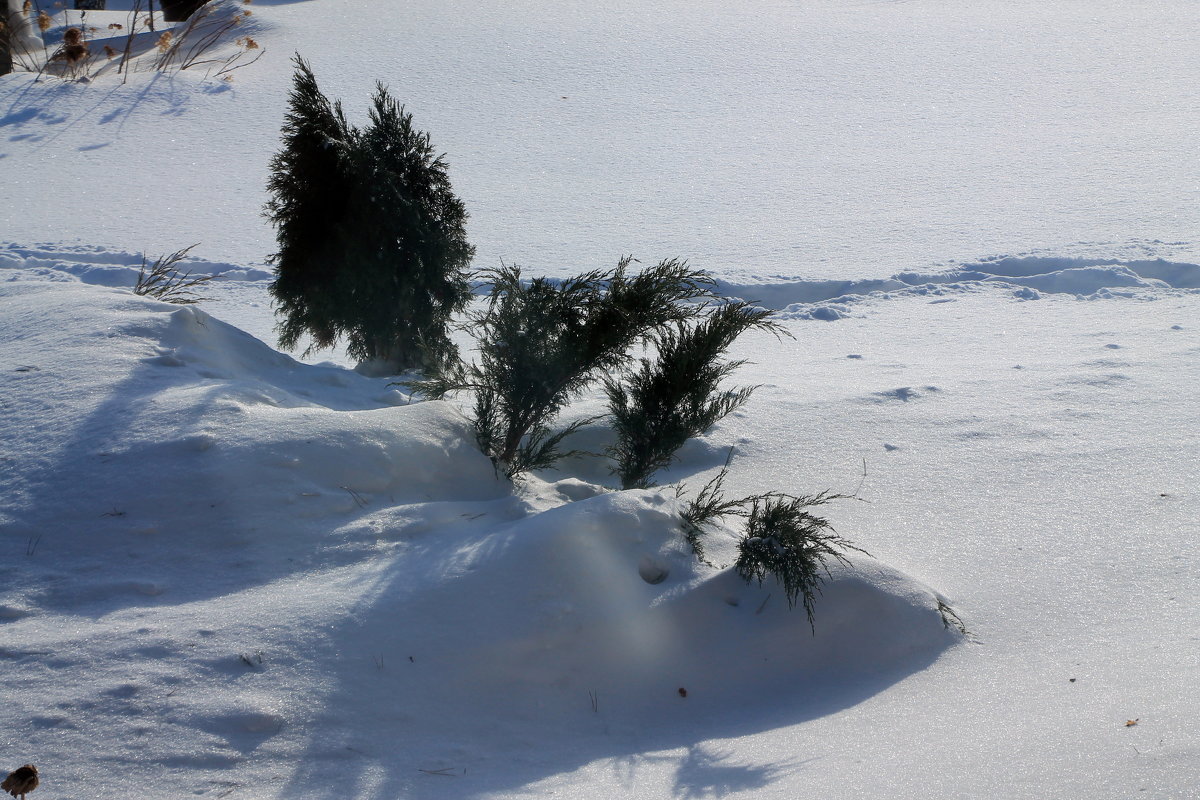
(309, 185)
(372, 241)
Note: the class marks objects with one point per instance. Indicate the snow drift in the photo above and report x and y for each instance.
(192, 488)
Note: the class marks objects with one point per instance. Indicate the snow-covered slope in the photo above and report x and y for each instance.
(235, 561)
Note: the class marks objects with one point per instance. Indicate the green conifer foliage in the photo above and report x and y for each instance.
(677, 396)
(542, 342)
(309, 185)
(785, 540)
(372, 241)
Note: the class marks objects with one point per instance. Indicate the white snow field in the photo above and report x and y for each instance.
(228, 572)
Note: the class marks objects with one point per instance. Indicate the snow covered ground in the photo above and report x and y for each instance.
(825, 139)
(232, 573)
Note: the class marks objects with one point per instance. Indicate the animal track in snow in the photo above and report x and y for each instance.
(1134, 269)
(903, 394)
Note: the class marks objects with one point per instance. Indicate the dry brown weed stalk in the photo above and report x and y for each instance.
(205, 40)
(195, 45)
(163, 280)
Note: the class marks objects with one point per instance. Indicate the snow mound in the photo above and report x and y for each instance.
(143, 411)
(589, 631)
(282, 570)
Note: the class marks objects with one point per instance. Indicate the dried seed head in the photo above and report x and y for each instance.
(75, 53)
(109, 52)
(164, 42)
(27, 7)
(72, 36)
(44, 22)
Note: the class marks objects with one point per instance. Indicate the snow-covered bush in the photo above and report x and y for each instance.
(659, 406)
(372, 244)
(542, 342)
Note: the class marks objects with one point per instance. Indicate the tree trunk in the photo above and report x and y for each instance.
(388, 358)
(8, 35)
(5, 52)
(20, 43)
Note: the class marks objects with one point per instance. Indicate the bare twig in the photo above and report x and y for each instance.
(235, 62)
(950, 619)
(6, 653)
(764, 604)
(165, 282)
(133, 22)
(861, 481)
(199, 36)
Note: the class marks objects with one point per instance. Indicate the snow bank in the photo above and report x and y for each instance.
(281, 566)
(126, 416)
